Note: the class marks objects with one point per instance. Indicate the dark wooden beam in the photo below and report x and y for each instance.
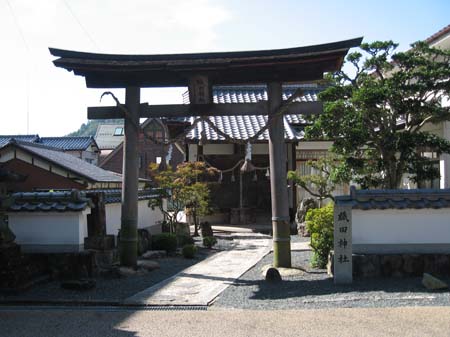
(182, 110)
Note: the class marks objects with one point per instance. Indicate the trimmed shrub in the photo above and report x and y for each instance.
(319, 222)
(184, 240)
(189, 251)
(164, 241)
(209, 241)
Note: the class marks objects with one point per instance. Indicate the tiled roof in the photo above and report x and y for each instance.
(395, 199)
(69, 162)
(68, 143)
(105, 136)
(243, 127)
(4, 139)
(239, 127)
(113, 196)
(256, 93)
(438, 34)
(70, 201)
(63, 143)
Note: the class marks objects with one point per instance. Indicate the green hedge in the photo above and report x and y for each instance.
(164, 241)
(189, 251)
(319, 223)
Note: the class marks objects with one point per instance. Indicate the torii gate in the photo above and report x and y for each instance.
(199, 72)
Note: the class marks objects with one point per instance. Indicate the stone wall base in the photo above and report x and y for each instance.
(397, 265)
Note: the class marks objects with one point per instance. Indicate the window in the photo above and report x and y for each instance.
(303, 156)
(433, 162)
(154, 131)
(118, 131)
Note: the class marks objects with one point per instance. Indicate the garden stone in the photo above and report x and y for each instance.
(148, 264)
(330, 263)
(126, 271)
(273, 275)
(433, 283)
(305, 205)
(154, 254)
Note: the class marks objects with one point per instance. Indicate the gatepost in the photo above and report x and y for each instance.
(343, 264)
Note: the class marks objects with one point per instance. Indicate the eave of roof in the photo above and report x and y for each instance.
(66, 201)
(292, 64)
(438, 34)
(395, 199)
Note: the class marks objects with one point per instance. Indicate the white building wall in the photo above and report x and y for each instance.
(147, 218)
(49, 232)
(401, 231)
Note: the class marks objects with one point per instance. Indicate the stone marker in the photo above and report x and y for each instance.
(433, 283)
(343, 262)
(273, 275)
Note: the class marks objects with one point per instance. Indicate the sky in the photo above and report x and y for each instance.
(38, 98)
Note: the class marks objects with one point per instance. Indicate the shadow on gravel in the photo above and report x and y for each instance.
(298, 288)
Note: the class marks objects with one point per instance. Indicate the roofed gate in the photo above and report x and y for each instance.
(200, 72)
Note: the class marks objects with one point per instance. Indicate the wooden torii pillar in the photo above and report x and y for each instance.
(199, 72)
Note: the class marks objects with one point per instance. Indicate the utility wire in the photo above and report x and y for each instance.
(28, 50)
(81, 26)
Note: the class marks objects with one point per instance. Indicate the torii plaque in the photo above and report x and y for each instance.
(199, 72)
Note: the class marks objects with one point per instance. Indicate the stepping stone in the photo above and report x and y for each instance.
(433, 283)
(273, 275)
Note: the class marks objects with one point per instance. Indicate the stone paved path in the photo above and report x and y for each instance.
(203, 282)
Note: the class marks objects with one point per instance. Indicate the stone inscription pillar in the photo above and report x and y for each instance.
(343, 264)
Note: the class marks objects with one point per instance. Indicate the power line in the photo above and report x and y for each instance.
(27, 47)
(79, 24)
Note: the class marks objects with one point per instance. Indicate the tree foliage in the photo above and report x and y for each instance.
(324, 179)
(376, 116)
(184, 188)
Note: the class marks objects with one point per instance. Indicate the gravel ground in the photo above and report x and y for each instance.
(108, 290)
(315, 289)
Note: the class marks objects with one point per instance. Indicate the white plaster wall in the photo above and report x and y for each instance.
(260, 148)
(113, 213)
(218, 149)
(314, 145)
(147, 218)
(193, 152)
(409, 226)
(49, 228)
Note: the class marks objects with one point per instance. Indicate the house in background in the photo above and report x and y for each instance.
(56, 194)
(440, 39)
(149, 150)
(84, 148)
(47, 168)
(108, 137)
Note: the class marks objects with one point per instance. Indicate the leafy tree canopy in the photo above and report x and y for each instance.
(376, 114)
(184, 187)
